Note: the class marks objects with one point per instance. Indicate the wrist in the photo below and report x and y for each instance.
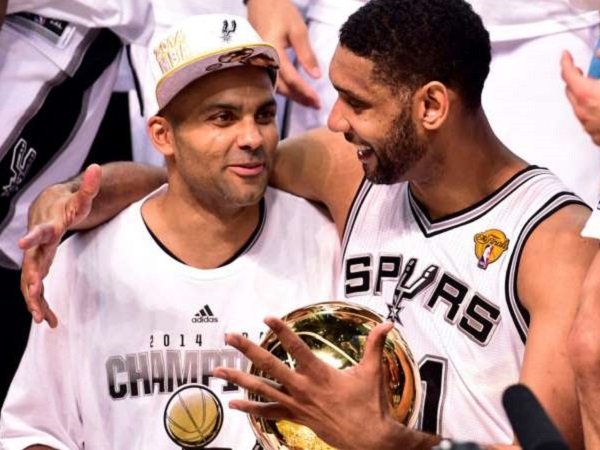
(392, 435)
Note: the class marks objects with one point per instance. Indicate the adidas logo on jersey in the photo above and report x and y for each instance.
(205, 315)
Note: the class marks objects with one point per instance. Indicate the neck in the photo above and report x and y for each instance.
(200, 235)
(465, 163)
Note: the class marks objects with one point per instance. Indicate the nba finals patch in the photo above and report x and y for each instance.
(489, 246)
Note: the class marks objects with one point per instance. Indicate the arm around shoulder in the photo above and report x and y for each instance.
(84, 202)
(320, 165)
(122, 183)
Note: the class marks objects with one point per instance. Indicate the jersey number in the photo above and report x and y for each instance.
(433, 381)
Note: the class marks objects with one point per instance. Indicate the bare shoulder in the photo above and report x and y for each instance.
(562, 232)
(321, 166)
(556, 256)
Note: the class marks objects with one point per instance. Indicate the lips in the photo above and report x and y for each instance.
(247, 169)
(364, 153)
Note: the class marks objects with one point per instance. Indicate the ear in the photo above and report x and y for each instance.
(162, 135)
(432, 105)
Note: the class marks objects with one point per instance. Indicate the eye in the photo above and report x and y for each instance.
(355, 104)
(223, 118)
(266, 116)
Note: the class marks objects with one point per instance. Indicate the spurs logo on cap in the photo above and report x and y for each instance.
(228, 29)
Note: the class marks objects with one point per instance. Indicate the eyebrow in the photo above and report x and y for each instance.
(236, 107)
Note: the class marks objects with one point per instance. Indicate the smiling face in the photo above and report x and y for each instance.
(375, 118)
(223, 137)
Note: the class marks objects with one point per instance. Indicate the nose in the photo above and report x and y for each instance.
(337, 121)
(250, 136)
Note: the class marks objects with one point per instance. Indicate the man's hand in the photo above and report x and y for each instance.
(347, 409)
(584, 95)
(281, 24)
(56, 210)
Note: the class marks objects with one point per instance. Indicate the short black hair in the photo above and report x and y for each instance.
(413, 42)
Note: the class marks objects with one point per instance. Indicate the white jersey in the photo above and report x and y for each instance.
(137, 326)
(450, 285)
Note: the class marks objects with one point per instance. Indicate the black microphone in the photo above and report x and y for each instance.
(532, 426)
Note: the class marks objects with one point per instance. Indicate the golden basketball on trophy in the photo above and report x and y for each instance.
(336, 332)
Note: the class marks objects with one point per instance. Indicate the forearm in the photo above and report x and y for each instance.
(122, 184)
(394, 436)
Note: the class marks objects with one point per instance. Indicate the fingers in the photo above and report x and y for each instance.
(566, 65)
(269, 411)
(305, 359)
(33, 292)
(261, 386)
(292, 85)
(90, 183)
(372, 357)
(41, 234)
(47, 313)
(79, 207)
(262, 359)
(304, 52)
(577, 83)
(36, 263)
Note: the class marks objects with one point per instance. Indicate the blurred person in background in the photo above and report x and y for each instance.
(58, 66)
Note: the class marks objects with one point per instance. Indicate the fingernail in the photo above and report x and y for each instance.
(37, 316)
(315, 72)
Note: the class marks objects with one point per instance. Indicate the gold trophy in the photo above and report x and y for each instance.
(336, 332)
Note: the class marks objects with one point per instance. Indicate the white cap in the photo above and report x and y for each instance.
(204, 44)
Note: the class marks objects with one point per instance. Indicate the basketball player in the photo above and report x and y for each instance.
(145, 299)
(439, 188)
